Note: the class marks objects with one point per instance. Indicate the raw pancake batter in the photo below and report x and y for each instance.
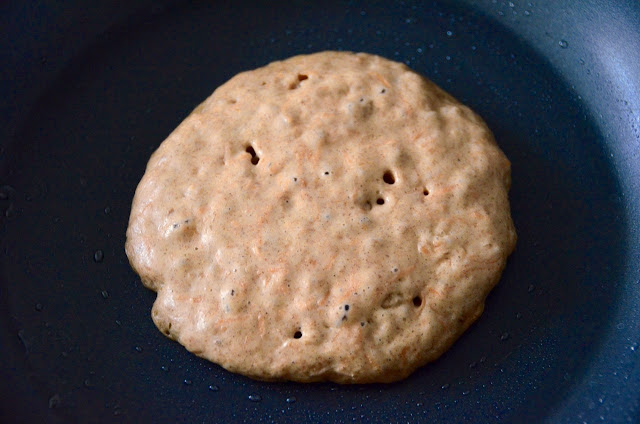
(333, 216)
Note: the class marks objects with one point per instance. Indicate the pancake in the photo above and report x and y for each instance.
(333, 216)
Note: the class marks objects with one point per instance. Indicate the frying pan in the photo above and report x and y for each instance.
(89, 91)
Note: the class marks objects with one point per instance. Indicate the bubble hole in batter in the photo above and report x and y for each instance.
(388, 177)
(254, 157)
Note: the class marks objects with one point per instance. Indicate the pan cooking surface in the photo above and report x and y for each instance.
(559, 336)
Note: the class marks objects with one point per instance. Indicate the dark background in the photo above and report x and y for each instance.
(88, 92)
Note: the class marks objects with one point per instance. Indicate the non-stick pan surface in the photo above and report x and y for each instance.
(88, 92)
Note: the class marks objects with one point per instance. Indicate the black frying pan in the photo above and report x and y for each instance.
(88, 92)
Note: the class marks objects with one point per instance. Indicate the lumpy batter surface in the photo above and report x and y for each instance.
(333, 216)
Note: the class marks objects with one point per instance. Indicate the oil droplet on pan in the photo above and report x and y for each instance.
(98, 256)
(54, 401)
